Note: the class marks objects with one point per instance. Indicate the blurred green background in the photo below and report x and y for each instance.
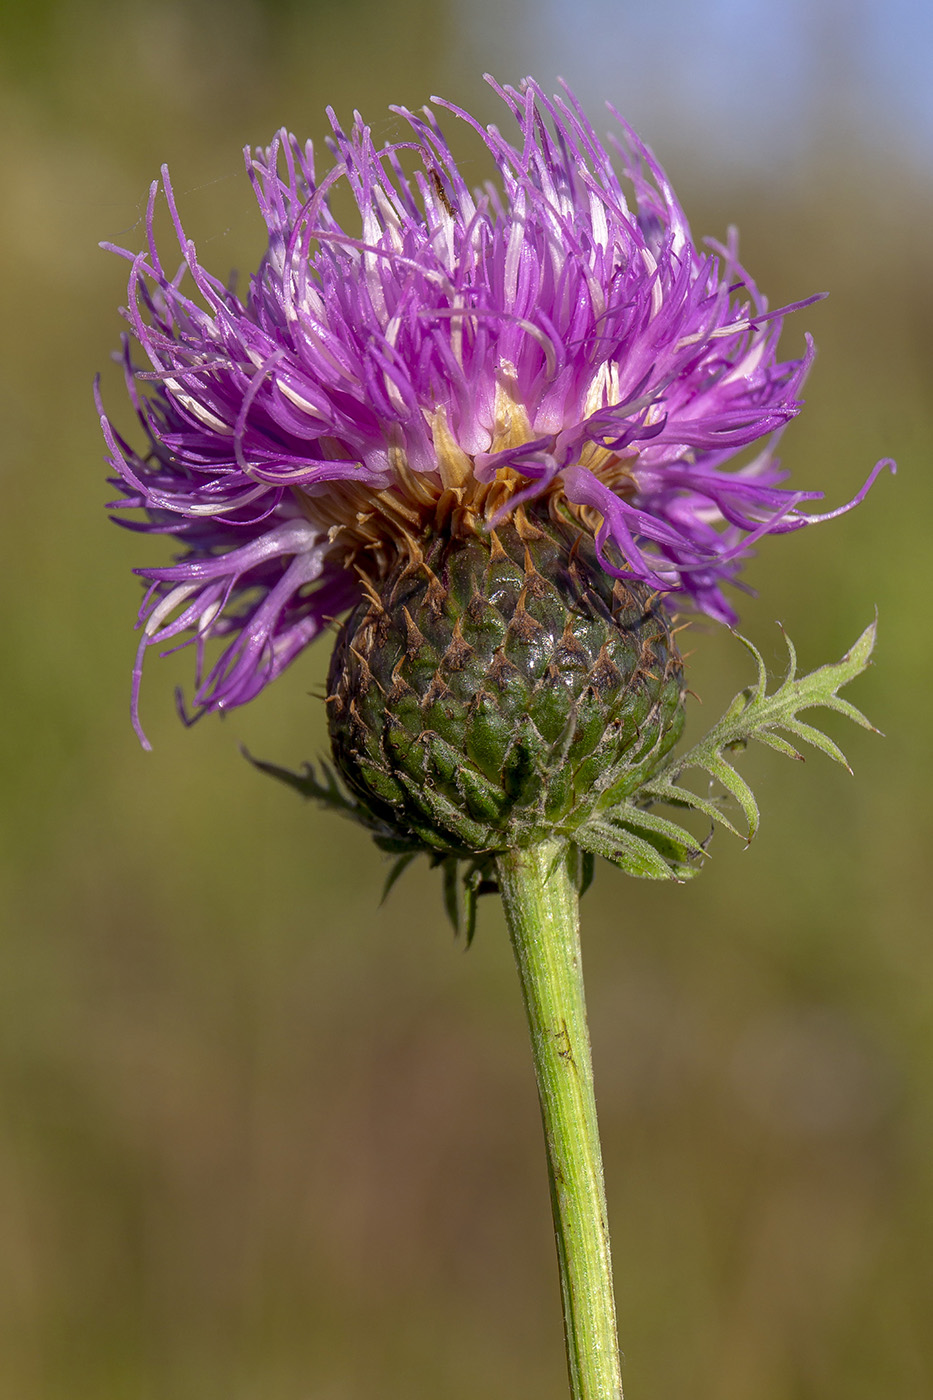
(266, 1139)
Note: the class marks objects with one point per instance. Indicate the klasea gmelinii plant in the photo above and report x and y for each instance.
(505, 434)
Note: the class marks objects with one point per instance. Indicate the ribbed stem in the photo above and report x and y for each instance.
(541, 904)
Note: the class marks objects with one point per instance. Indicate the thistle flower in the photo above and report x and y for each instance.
(501, 432)
(554, 342)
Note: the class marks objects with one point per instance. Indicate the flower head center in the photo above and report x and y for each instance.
(369, 529)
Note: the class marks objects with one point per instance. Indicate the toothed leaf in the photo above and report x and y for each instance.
(640, 842)
(328, 792)
(399, 867)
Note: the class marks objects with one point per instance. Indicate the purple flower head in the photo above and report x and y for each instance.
(459, 353)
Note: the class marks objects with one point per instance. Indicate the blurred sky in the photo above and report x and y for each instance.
(745, 80)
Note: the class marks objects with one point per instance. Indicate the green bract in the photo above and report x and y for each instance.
(502, 689)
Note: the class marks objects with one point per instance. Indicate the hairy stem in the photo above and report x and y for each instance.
(539, 891)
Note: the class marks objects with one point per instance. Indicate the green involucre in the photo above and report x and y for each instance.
(502, 690)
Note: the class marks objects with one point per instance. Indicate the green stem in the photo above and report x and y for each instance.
(539, 892)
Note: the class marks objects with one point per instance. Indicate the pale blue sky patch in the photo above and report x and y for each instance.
(744, 81)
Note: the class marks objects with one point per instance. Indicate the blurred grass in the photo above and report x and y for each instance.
(265, 1137)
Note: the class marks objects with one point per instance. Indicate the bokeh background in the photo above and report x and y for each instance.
(264, 1138)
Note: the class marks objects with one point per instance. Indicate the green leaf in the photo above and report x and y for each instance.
(399, 866)
(464, 882)
(328, 792)
(453, 904)
(642, 844)
(650, 846)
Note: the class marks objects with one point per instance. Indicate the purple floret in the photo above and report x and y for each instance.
(552, 330)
